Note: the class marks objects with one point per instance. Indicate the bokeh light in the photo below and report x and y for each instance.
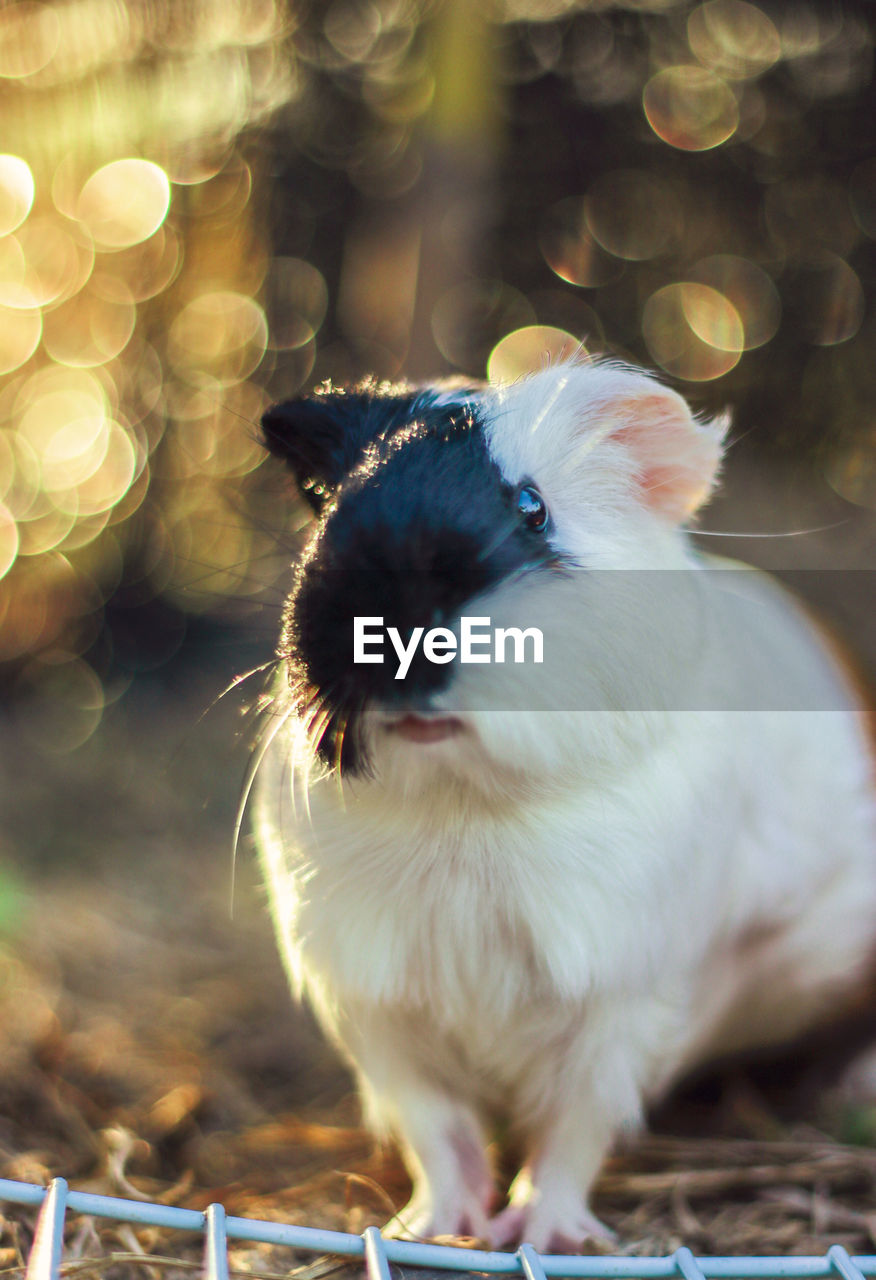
(94, 326)
(16, 192)
(20, 333)
(9, 540)
(65, 703)
(692, 331)
(751, 292)
(213, 436)
(124, 203)
(299, 300)
(219, 336)
(570, 249)
(207, 207)
(690, 107)
(128, 283)
(852, 472)
(52, 265)
(30, 35)
(150, 267)
(633, 215)
(733, 38)
(469, 319)
(829, 301)
(529, 349)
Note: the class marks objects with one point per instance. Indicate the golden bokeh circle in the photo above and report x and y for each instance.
(52, 267)
(852, 472)
(7, 461)
(20, 333)
(530, 349)
(151, 266)
(45, 528)
(191, 162)
(211, 434)
(218, 336)
(733, 38)
(749, 289)
(833, 301)
(9, 540)
(65, 704)
(53, 378)
(13, 269)
(21, 475)
(692, 331)
(17, 191)
(111, 479)
(226, 194)
(94, 326)
(300, 301)
(570, 250)
(468, 319)
(690, 107)
(124, 202)
(65, 426)
(633, 215)
(74, 453)
(30, 34)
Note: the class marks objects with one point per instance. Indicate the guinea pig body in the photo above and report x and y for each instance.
(542, 890)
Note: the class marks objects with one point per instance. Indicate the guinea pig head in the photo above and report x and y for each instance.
(521, 501)
(415, 521)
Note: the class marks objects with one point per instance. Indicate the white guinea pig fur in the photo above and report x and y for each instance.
(543, 892)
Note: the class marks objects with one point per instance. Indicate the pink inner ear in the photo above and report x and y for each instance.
(672, 489)
(677, 459)
(656, 478)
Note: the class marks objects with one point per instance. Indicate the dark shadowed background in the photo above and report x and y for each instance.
(207, 206)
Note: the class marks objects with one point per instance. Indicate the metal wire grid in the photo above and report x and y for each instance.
(377, 1253)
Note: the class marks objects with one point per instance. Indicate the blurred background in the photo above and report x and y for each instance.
(206, 206)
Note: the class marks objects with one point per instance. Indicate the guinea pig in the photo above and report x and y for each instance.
(537, 886)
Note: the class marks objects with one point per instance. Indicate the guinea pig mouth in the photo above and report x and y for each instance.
(424, 729)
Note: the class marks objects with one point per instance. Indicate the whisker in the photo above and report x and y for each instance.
(319, 722)
(220, 404)
(502, 536)
(790, 533)
(236, 682)
(340, 735)
(255, 763)
(731, 444)
(236, 570)
(319, 715)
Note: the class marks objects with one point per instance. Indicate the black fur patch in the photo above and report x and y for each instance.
(421, 524)
(322, 437)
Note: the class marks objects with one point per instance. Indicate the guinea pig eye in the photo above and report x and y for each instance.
(532, 508)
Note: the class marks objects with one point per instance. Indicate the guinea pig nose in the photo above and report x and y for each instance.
(425, 729)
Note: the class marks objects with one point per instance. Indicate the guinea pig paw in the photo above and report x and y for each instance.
(549, 1228)
(420, 1220)
(575, 1231)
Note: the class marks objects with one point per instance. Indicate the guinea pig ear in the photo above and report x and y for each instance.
(322, 437)
(310, 434)
(675, 458)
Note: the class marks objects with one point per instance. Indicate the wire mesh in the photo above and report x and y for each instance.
(217, 1229)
